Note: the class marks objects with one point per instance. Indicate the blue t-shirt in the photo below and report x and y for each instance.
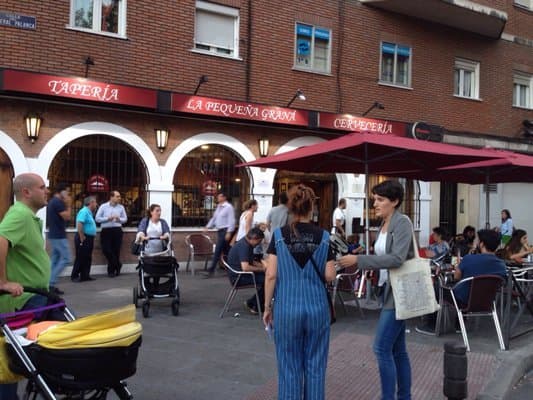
(478, 264)
(85, 217)
(56, 223)
(241, 251)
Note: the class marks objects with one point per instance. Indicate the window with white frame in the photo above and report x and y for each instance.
(466, 79)
(522, 90)
(395, 64)
(525, 3)
(102, 16)
(313, 48)
(216, 29)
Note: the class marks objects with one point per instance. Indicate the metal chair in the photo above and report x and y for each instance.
(481, 302)
(345, 281)
(234, 277)
(199, 245)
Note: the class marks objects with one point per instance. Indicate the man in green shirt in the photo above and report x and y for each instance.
(23, 258)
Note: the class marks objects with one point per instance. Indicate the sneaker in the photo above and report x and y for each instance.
(208, 274)
(426, 330)
(252, 310)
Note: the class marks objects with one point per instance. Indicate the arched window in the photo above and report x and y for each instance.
(96, 164)
(204, 172)
(6, 182)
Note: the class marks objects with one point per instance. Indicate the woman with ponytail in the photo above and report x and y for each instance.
(296, 306)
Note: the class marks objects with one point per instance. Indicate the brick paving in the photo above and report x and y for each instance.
(352, 371)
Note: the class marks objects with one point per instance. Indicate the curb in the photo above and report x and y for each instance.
(514, 365)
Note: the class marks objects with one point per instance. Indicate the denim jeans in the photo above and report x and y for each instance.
(59, 258)
(391, 354)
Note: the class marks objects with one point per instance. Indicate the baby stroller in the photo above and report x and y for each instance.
(158, 278)
(79, 359)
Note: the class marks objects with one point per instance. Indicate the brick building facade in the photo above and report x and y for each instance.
(467, 69)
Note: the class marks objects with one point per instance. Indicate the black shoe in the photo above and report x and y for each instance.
(208, 274)
(426, 330)
(111, 274)
(117, 273)
(76, 279)
(252, 310)
(89, 278)
(56, 290)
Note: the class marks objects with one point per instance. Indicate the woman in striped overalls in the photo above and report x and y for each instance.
(300, 316)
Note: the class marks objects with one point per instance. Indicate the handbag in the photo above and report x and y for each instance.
(135, 248)
(412, 287)
(332, 313)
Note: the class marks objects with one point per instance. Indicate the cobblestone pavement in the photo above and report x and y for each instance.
(198, 355)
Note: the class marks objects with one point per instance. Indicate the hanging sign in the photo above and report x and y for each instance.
(239, 110)
(209, 188)
(97, 183)
(78, 88)
(350, 123)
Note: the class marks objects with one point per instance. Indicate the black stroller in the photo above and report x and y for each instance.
(158, 278)
(82, 359)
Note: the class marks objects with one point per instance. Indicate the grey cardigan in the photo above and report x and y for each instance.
(399, 247)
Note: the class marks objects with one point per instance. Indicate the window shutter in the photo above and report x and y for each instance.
(215, 29)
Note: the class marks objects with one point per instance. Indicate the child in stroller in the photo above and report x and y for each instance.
(79, 359)
(158, 277)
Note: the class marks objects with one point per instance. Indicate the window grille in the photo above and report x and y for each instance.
(200, 176)
(109, 157)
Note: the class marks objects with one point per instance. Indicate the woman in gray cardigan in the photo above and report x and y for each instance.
(393, 246)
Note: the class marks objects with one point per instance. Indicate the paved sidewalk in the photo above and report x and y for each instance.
(198, 356)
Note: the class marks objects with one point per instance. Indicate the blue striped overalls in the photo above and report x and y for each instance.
(301, 324)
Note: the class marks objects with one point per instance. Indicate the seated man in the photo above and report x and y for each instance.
(485, 263)
(241, 258)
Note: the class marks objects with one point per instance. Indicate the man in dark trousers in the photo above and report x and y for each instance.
(241, 258)
(57, 215)
(111, 216)
(224, 221)
(84, 241)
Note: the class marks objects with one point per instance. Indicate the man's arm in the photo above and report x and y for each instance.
(81, 234)
(12, 287)
(123, 216)
(257, 266)
(99, 217)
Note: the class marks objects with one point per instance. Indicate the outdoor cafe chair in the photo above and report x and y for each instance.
(345, 281)
(481, 302)
(199, 245)
(234, 277)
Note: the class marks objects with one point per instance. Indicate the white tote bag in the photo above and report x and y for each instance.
(412, 287)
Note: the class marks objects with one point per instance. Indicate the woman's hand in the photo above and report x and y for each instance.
(347, 261)
(267, 317)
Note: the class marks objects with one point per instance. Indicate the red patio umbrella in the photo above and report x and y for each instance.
(506, 166)
(371, 153)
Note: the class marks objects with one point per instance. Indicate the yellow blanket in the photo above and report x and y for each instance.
(112, 328)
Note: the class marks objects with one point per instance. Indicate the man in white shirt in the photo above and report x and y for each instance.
(339, 219)
(224, 221)
(111, 216)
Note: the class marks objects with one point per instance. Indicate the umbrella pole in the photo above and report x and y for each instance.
(487, 202)
(367, 236)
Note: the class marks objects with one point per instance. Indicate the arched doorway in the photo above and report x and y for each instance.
(201, 174)
(325, 188)
(95, 164)
(6, 181)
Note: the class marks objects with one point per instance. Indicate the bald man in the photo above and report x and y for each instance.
(23, 258)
